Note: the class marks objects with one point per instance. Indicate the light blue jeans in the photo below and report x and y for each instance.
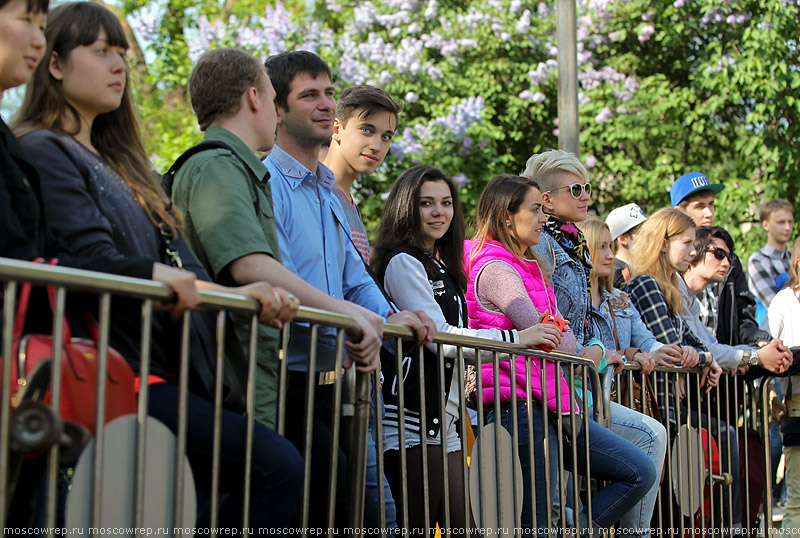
(650, 436)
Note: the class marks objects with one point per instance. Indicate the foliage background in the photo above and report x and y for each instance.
(666, 87)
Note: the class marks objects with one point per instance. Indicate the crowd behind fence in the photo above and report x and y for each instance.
(697, 487)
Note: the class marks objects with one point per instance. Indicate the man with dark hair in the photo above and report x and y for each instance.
(215, 190)
(365, 123)
(711, 263)
(315, 244)
(768, 267)
(731, 305)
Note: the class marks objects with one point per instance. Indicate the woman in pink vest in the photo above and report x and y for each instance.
(507, 289)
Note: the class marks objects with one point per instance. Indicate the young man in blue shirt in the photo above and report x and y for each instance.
(314, 241)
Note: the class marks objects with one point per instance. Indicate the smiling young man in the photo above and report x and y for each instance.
(772, 260)
(732, 304)
(366, 121)
(314, 244)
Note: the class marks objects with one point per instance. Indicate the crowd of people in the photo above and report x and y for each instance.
(660, 291)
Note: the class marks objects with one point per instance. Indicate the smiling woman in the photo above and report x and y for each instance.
(22, 43)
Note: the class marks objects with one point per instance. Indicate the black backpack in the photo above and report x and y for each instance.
(167, 179)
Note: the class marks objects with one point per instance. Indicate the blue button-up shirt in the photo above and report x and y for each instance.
(315, 245)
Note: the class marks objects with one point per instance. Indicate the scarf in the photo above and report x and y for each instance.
(572, 240)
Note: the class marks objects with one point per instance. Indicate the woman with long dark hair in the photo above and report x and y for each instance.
(507, 288)
(418, 256)
(102, 199)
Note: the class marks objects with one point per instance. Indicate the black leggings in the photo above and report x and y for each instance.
(416, 506)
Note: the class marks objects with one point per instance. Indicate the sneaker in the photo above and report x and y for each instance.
(777, 512)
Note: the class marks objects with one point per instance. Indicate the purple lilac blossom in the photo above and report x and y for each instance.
(461, 180)
(605, 115)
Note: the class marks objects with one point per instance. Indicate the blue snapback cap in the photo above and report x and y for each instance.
(689, 184)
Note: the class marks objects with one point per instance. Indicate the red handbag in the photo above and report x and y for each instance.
(78, 367)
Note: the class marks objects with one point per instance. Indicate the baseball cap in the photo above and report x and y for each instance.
(689, 184)
(623, 219)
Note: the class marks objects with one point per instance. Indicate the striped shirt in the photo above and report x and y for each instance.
(353, 215)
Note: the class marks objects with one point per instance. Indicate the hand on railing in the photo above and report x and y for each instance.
(182, 283)
(541, 334)
(418, 321)
(690, 357)
(277, 305)
(364, 341)
(775, 357)
(668, 356)
(711, 374)
(645, 361)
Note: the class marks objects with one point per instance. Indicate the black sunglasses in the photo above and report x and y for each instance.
(719, 253)
(576, 189)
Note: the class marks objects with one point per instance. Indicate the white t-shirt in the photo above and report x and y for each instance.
(784, 323)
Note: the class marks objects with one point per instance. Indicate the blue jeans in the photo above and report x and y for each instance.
(539, 481)
(372, 477)
(276, 471)
(629, 471)
(651, 437)
(630, 474)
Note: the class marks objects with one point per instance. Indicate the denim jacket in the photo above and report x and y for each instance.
(631, 330)
(569, 284)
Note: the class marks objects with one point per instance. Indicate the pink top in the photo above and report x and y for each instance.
(504, 292)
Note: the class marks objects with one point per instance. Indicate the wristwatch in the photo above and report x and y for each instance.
(750, 357)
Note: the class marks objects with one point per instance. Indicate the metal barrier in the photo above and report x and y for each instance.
(349, 423)
(703, 488)
(497, 508)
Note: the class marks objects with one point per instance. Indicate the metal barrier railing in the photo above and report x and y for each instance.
(703, 487)
(349, 423)
(689, 480)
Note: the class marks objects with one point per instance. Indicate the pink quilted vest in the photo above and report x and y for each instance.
(541, 294)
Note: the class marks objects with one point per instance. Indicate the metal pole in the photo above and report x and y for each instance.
(566, 31)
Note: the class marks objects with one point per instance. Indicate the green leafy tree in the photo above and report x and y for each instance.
(665, 87)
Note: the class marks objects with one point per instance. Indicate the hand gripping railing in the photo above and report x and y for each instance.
(351, 397)
(705, 487)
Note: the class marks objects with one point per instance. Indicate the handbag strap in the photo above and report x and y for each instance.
(614, 323)
(24, 302)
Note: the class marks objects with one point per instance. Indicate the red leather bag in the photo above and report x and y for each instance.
(78, 368)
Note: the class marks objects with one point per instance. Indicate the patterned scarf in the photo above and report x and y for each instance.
(572, 240)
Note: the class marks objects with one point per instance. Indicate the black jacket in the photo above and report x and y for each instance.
(736, 310)
(24, 234)
(454, 308)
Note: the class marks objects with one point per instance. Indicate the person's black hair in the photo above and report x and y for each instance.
(283, 67)
(704, 236)
(401, 224)
(34, 6)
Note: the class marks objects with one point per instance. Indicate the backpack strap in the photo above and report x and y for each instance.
(168, 179)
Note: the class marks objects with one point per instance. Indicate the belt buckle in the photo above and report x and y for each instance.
(326, 378)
